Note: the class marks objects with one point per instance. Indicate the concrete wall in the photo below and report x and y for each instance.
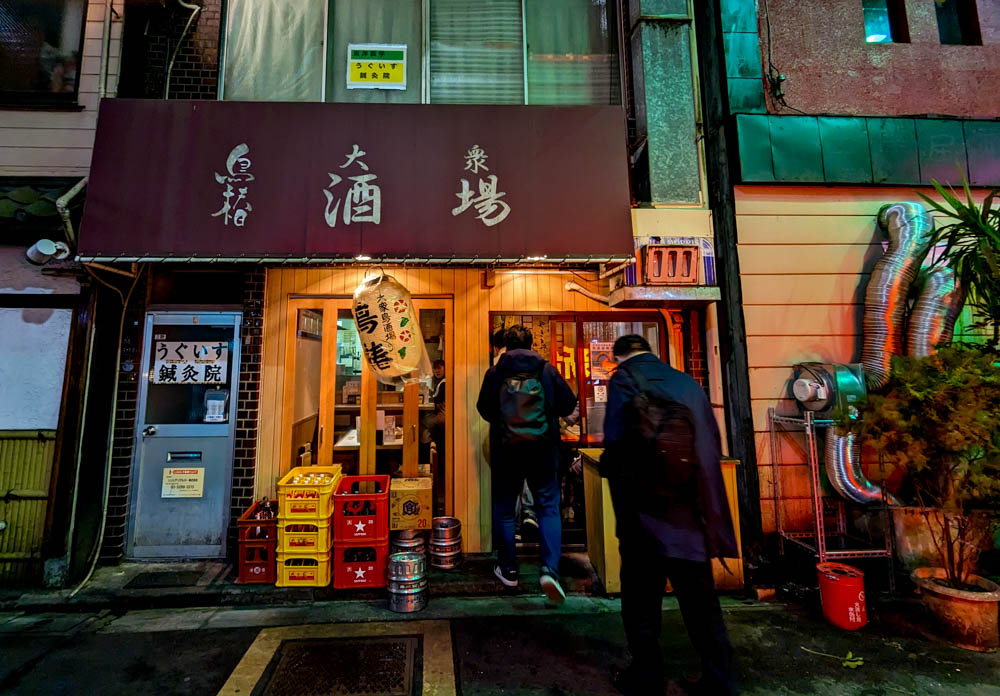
(33, 346)
(820, 46)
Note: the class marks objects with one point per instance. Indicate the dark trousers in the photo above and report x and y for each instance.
(510, 470)
(644, 577)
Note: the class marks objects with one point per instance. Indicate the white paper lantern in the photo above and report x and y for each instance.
(389, 330)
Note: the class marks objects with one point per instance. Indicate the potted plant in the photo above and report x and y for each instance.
(939, 421)
(970, 244)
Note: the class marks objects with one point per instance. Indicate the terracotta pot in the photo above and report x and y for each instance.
(967, 619)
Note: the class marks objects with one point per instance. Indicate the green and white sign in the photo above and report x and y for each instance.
(376, 66)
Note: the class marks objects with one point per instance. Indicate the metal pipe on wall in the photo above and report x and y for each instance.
(932, 321)
(842, 453)
(910, 228)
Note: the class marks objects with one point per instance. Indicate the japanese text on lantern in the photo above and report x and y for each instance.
(363, 200)
(488, 203)
(238, 168)
(180, 362)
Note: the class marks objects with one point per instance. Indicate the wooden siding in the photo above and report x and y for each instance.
(25, 474)
(59, 143)
(805, 257)
(514, 292)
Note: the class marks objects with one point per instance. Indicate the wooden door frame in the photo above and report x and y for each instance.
(327, 408)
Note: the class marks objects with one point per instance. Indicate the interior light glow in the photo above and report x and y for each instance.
(875, 38)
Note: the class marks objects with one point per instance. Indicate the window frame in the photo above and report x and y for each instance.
(899, 28)
(54, 101)
(967, 21)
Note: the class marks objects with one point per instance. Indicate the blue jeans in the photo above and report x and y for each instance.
(510, 470)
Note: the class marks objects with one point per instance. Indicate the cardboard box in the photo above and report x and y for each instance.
(410, 503)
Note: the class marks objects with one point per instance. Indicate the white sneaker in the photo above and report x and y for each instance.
(552, 589)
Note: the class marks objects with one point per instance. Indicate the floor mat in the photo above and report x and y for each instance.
(165, 578)
(363, 666)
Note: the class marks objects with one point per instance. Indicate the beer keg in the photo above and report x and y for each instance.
(446, 543)
(407, 582)
(410, 541)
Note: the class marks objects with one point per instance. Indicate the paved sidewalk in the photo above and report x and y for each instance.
(498, 645)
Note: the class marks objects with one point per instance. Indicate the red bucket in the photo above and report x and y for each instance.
(842, 594)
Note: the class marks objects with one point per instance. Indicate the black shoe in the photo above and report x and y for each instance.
(626, 681)
(507, 577)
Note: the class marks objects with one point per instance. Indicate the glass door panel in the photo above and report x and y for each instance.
(307, 384)
(598, 365)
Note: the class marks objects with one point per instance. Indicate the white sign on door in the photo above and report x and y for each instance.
(181, 362)
(183, 483)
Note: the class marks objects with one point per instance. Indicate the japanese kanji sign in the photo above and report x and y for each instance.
(183, 483)
(190, 362)
(376, 66)
(389, 329)
(279, 180)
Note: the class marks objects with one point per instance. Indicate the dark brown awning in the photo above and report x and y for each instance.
(194, 180)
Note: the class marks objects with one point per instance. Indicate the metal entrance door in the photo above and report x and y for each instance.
(181, 475)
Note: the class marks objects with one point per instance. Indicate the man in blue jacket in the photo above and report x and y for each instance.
(666, 537)
(522, 398)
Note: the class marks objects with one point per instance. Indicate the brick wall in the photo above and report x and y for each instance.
(150, 41)
(125, 413)
(694, 348)
(245, 458)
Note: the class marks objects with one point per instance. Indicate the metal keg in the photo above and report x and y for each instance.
(407, 582)
(446, 561)
(411, 543)
(446, 528)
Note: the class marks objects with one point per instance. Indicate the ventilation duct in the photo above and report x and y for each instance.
(932, 321)
(909, 227)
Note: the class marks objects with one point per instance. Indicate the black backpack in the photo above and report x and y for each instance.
(663, 434)
(523, 414)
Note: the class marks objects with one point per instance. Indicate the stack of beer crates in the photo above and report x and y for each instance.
(360, 532)
(258, 543)
(305, 539)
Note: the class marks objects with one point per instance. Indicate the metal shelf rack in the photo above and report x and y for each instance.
(819, 541)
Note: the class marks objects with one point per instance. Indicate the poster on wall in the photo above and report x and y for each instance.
(376, 66)
(181, 362)
(183, 483)
(602, 362)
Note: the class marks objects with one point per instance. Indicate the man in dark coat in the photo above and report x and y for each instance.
(537, 462)
(671, 538)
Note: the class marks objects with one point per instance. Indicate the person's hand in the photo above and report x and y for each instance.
(576, 467)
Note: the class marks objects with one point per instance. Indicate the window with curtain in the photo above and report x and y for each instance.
(275, 50)
(572, 52)
(477, 52)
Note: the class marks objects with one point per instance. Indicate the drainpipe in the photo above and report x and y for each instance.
(102, 86)
(195, 9)
(62, 205)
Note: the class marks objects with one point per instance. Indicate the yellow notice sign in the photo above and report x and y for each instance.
(183, 483)
(376, 66)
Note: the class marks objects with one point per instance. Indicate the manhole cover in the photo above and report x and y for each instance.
(169, 578)
(375, 666)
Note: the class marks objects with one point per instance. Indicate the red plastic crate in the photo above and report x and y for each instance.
(257, 530)
(258, 548)
(349, 573)
(258, 562)
(352, 527)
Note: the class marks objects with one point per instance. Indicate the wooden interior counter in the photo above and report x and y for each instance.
(602, 544)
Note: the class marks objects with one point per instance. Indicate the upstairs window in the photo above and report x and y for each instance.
(40, 44)
(885, 21)
(425, 51)
(958, 22)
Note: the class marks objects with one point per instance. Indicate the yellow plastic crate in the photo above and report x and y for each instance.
(308, 499)
(305, 536)
(303, 570)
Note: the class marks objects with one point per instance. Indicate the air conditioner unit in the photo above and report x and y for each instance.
(829, 390)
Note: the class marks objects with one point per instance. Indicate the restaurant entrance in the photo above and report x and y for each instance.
(324, 375)
(579, 345)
